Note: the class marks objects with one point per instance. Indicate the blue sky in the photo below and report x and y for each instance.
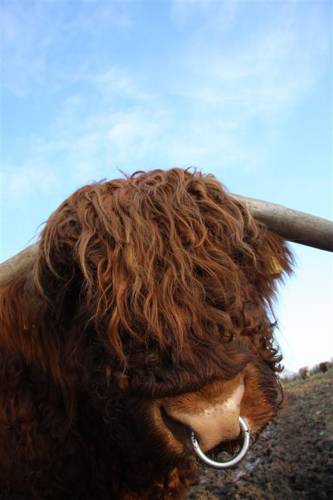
(240, 89)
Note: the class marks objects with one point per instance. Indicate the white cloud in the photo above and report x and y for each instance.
(201, 115)
(263, 78)
(26, 40)
(116, 82)
(134, 134)
(210, 12)
(94, 16)
(36, 34)
(23, 181)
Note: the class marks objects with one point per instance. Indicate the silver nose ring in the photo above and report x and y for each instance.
(235, 459)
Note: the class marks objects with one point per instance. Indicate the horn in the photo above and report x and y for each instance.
(16, 265)
(292, 225)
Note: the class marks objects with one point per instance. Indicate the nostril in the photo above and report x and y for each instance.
(230, 446)
(179, 430)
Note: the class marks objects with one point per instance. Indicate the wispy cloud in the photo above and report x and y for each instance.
(215, 92)
(262, 76)
(37, 35)
(210, 12)
(26, 180)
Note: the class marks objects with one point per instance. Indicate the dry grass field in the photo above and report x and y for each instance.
(292, 459)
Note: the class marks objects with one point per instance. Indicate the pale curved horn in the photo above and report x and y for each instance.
(16, 265)
(293, 225)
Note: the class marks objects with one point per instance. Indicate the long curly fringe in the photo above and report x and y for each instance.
(165, 258)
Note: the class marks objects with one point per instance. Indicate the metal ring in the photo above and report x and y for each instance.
(234, 460)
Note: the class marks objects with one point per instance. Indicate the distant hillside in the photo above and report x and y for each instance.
(293, 458)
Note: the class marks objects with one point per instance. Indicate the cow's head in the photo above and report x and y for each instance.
(150, 304)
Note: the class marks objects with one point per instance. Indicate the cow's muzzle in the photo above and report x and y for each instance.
(235, 459)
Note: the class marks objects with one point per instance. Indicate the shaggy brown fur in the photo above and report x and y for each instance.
(144, 289)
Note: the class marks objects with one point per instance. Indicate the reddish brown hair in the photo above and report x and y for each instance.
(153, 285)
